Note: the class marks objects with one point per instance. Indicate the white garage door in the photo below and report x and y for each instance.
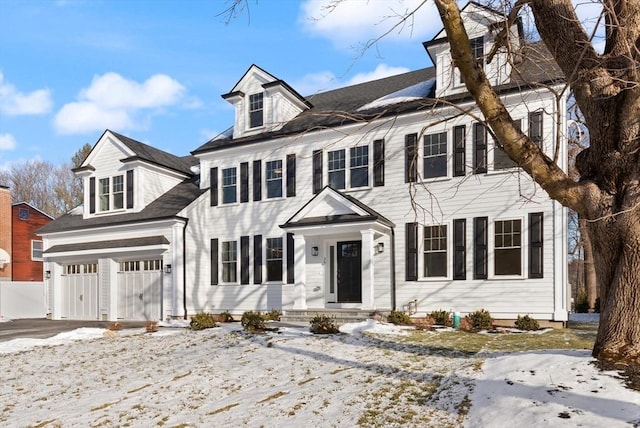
(79, 292)
(140, 290)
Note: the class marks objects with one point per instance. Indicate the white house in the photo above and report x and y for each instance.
(372, 197)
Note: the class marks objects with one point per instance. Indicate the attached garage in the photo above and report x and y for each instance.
(140, 290)
(79, 291)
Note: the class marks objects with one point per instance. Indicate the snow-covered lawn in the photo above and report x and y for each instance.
(290, 378)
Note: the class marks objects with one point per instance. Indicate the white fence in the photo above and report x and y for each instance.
(22, 300)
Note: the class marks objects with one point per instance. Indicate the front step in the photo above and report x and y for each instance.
(340, 316)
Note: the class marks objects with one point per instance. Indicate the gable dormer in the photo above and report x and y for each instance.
(263, 103)
(121, 175)
(482, 24)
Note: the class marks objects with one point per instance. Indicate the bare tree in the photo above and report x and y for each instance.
(51, 189)
(607, 90)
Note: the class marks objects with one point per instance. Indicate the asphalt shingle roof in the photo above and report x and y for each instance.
(166, 206)
(341, 106)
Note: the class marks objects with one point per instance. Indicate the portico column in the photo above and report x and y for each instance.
(300, 266)
(368, 301)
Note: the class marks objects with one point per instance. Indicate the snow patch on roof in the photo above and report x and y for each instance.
(415, 92)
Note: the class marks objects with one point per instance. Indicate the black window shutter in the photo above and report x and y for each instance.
(244, 260)
(459, 151)
(290, 259)
(378, 163)
(410, 158)
(459, 248)
(92, 195)
(480, 247)
(535, 246)
(257, 259)
(479, 148)
(257, 180)
(244, 182)
(291, 175)
(317, 171)
(214, 262)
(411, 250)
(213, 180)
(130, 188)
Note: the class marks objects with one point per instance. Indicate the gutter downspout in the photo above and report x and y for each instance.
(184, 267)
(393, 269)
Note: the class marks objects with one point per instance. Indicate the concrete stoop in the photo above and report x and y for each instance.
(340, 316)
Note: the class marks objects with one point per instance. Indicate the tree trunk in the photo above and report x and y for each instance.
(607, 90)
(590, 280)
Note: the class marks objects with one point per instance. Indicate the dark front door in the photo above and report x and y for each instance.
(349, 272)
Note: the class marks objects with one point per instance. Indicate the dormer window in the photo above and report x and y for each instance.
(111, 193)
(256, 109)
(477, 49)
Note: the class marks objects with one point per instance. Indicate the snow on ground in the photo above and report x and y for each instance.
(225, 377)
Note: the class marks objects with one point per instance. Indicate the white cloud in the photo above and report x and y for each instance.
(112, 101)
(381, 71)
(7, 142)
(354, 22)
(15, 103)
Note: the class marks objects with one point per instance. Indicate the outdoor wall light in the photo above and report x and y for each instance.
(380, 247)
(314, 251)
(47, 274)
(167, 269)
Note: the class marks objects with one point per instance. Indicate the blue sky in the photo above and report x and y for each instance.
(155, 69)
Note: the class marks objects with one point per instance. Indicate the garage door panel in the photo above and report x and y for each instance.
(79, 292)
(140, 290)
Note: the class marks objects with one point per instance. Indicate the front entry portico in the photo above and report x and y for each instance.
(337, 238)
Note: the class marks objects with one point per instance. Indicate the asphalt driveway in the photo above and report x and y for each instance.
(41, 328)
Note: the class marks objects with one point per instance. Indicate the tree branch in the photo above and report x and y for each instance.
(515, 143)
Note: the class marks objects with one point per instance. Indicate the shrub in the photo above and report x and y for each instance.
(527, 323)
(466, 324)
(322, 324)
(441, 318)
(582, 302)
(399, 318)
(274, 315)
(481, 320)
(202, 320)
(226, 317)
(252, 321)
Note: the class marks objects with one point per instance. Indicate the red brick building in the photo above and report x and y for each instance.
(26, 246)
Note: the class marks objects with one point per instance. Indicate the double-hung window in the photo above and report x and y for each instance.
(508, 247)
(477, 49)
(229, 183)
(337, 164)
(359, 163)
(435, 155)
(435, 251)
(104, 194)
(36, 250)
(118, 192)
(535, 127)
(111, 193)
(274, 259)
(256, 110)
(273, 179)
(229, 261)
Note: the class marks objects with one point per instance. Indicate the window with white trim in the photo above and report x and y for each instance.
(435, 155)
(36, 250)
(507, 247)
(111, 193)
(229, 261)
(229, 184)
(477, 49)
(273, 178)
(274, 259)
(336, 168)
(435, 251)
(359, 162)
(256, 110)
